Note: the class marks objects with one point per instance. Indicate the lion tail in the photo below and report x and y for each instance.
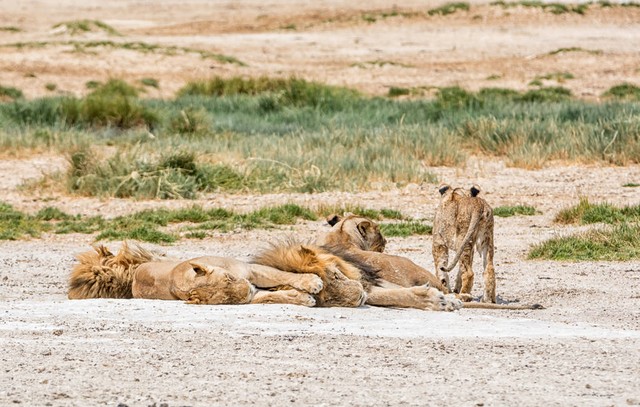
(473, 225)
(101, 274)
(483, 305)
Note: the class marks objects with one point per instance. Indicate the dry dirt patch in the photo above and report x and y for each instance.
(582, 350)
(370, 46)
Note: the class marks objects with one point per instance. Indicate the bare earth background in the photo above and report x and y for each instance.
(583, 349)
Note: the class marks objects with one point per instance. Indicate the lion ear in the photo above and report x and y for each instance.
(363, 227)
(333, 219)
(304, 250)
(200, 269)
(443, 188)
(475, 190)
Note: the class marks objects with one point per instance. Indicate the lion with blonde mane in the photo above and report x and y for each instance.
(137, 273)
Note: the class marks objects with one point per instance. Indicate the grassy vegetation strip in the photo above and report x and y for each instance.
(277, 135)
(508, 211)
(617, 243)
(587, 213)
(138, 46)
(84, 26)
(170, 225)
(449, 8)
(554, 8)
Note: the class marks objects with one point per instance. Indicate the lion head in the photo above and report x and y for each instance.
(354, 231)
(204, 284)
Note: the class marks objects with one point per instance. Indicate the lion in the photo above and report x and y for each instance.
(330, 257)
(461, 222)
(358, 239)
(137, 273)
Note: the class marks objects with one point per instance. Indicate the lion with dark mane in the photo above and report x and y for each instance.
(358, 240)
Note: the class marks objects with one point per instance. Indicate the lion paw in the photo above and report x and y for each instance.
(452, 303)
(310, 283)
(489, 299)
(430, 298)
(300, 298)
(464, 297)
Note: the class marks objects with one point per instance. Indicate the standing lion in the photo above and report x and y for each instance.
(461, 222)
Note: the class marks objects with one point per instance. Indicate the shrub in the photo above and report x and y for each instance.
(623, 91)
(9, 93)
(449, 8)
(290, 92)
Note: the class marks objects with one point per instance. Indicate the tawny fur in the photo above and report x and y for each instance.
(136, 273)
(461, 222)
(340, 262)
(357, 235)
(342, 286)
(101, 274)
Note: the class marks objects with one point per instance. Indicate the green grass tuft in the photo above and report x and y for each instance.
(554, 8)
(625, 91)
(587, 213)
(284, 92)
(16, 225)
(10, 93)
(191, 121)
(132, 175)
(150, 82)
(395, 91)
(617, 243)
(575, 49)
(546, 94)
(405, 228)
(374, 214)
(84, 26)
(508, 211)
(449, 8)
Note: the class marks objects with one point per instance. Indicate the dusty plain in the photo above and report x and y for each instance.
(583, 349)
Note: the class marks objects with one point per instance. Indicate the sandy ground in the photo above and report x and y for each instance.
(332, 41)
(582, 350)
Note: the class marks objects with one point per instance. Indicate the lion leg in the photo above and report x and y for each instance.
(294, 297)
(441, 260)
(464, 280)
(420, 297)
(269, 277)
(489, 275)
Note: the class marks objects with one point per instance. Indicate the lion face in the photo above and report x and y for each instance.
(340, 291)
(212, 285)
(356, 230)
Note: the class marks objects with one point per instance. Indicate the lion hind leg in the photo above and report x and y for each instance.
(420, 297)
(489, 276)
(464, 281)
(441, 259)
(489, 284)
(292, 296)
